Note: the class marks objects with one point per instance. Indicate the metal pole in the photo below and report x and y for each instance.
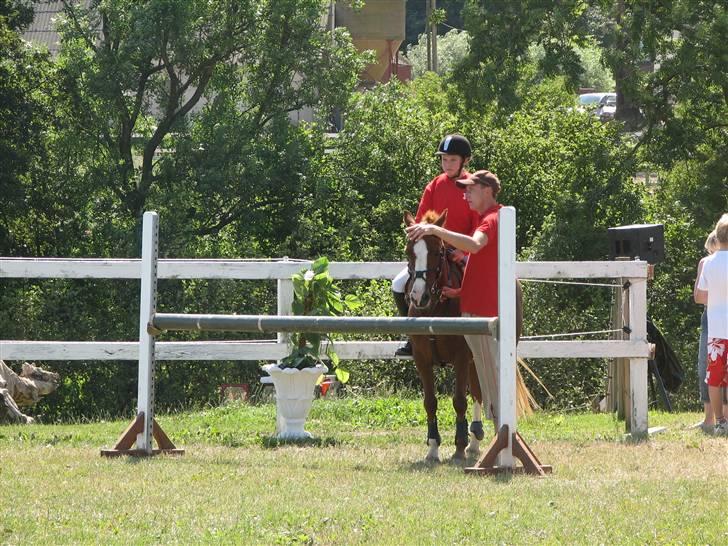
(314, 324)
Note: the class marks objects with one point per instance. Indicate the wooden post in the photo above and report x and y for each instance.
(613, 367)
(638, 366)
(428, 33)
(285, 307)
(147, 308)
(507, 329)
(145, 428)
(433, 33)
(623, 371)
(285, 303)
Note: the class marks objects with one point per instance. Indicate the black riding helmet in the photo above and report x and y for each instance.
(455, 145)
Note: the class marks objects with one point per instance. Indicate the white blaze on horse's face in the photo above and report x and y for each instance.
(419, 286)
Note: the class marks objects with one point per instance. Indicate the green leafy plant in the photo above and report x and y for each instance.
(315, 294)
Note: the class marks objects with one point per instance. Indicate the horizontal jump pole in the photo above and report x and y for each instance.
(323, 325)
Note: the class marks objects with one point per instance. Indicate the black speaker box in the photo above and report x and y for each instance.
(638, 241)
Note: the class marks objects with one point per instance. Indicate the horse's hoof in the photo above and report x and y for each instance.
(432, 460)
(473, 450)
(458, 456)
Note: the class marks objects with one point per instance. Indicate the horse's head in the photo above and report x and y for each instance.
(425, 261)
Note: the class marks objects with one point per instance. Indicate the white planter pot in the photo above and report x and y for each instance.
(294, 396)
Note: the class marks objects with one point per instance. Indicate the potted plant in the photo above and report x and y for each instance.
(296, 376)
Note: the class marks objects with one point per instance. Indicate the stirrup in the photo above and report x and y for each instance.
(404, 350)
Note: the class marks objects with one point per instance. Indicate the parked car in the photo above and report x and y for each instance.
(602, 105)
(589, 101)
(607, 107)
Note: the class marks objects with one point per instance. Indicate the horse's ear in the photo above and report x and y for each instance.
(441, 219)
(408, 218)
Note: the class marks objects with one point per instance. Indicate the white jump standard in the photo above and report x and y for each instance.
(502, 450)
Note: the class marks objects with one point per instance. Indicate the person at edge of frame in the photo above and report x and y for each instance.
(713, 286)
(708, 422)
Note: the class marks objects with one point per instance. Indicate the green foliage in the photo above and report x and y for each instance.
(501, 33)
(594, 76)
(315, 294)
(452, 48)
(155, 64)
(382, 160)
(26, 119)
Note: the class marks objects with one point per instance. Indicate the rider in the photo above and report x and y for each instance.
(442, 193)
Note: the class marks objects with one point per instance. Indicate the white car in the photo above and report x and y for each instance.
(602, 105)
(607, 107)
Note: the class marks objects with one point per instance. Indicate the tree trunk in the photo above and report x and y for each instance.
(624, 75)
(23, 390)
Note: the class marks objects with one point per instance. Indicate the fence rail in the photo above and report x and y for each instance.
(281, 271)
(635, 348)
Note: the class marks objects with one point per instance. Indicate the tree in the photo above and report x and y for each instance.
(25, 111)
(135, 73)
(500, 36)
(684, 41)
(452, 48)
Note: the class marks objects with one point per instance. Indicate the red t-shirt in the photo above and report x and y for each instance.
(479, 295)
(442, 193)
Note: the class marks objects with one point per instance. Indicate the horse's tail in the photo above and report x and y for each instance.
(525, 402)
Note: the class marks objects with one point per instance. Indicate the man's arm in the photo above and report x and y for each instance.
(460, 241)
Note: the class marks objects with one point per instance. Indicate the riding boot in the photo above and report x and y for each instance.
(403, 309)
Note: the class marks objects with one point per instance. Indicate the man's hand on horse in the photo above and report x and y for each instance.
(415, 232)
(449, 292)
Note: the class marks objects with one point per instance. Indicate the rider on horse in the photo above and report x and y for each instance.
(442, 193)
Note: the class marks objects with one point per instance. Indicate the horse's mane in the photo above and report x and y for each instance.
(430, 217)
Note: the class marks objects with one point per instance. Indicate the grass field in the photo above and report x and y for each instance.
(363, 482)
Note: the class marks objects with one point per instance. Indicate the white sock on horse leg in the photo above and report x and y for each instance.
(477, 411)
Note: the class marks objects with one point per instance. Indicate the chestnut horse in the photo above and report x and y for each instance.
(430, 270)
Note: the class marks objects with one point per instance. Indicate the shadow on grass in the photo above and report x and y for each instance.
(428, 466)
(271, 442)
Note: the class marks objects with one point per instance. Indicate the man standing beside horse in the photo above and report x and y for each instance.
(479, 291)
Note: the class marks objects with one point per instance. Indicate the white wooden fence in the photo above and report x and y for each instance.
(635, 348)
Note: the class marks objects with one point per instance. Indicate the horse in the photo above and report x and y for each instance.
(430, 270)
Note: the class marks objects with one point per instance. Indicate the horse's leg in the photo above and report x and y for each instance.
(427, 378)
(476, 429)
(460, 404)
(476, 426)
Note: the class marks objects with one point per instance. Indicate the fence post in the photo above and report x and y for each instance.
(638, 366)
(285, 303)
(507, 329)
(147, 308)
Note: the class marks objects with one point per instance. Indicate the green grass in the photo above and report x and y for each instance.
(363, 482)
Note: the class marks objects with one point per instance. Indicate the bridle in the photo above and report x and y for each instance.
(435, 287)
